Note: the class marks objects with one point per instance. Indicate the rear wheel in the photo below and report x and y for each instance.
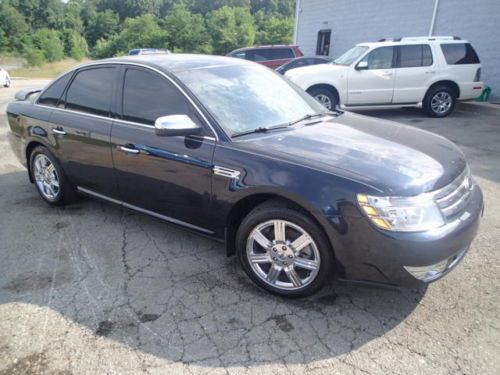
(283, 251)
(7, 82)
(327, 98)
(440, 101)
(49, 178)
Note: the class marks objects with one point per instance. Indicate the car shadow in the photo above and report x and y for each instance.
(166, 292)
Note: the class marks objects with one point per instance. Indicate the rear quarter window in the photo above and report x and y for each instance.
(280, 53)
(459, 54)
(51, 96)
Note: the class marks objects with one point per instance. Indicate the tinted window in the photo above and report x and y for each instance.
(459, 53)
(414, 56)
(279, 53)
(52, 95)
(239, 55)
(91, 91)
(257, 55)
(380, 58)
(147, 96)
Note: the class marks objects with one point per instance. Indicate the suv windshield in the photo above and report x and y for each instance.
(350, 56)
(246, 97)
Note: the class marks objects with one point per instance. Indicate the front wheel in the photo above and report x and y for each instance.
(325, 97)
(283, 251)
(439, 101)
(7, 83)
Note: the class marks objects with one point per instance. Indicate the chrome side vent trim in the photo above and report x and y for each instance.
(226, 172)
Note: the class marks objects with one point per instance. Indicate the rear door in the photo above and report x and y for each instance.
(166, 176)
(415, 69)
(374, 85)
(82, 128)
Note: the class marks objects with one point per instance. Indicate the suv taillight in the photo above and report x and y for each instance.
(477, 77)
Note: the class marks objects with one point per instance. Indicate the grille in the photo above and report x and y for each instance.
(453, 198)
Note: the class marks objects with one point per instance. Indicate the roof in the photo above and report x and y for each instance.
(266, 46)
(413, 40)
(177, 62)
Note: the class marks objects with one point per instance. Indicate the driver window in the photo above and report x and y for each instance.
(380, 58)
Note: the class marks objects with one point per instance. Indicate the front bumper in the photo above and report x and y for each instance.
(372, 255)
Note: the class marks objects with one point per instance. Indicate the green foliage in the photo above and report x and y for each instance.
(231, 28)
(137, 32)
(13, 24)
(187, 31)
(75, 45)
(34, 57)
(49, 30)
(276, 31)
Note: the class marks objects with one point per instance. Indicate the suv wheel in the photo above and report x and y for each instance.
(440, 101)
(49, 178)
(7, 82)
(326, 97)
(284, 251)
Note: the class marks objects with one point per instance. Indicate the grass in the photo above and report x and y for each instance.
(50, 70)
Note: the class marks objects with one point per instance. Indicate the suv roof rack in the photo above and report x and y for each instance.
(419, 38)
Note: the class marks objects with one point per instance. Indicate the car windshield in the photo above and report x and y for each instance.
(350, 56)
(246, 97)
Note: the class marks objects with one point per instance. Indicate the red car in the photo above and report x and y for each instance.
(271, 56)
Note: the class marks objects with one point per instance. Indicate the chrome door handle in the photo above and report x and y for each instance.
(129, 150)
(58, 131)
(430, 72)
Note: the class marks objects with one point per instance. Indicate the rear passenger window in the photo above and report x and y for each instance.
(91, 91)
(147, 96)
(280, 53)
(459, 53)
(411, 56)
(51, 96)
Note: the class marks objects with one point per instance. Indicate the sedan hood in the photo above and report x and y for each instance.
(392, 158)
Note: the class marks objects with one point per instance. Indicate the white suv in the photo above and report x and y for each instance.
(428, 72)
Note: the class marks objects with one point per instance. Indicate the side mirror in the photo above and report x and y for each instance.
(168, 126)
(362, 65)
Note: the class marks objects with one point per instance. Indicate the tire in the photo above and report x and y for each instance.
(282, 268)
(7, 83)
(325, 97)
(49, 178)
(439, 101)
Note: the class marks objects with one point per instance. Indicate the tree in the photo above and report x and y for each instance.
(138, 32)
(276, 31)
(48, 41)
(75, 45)
(14, 25)
(101, 25)
(231, 28)
(187, 31)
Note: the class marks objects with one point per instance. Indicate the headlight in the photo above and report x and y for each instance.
(402, 214)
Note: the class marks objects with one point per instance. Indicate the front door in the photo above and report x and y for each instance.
(82, 129)
(166, 176)
(374, 84)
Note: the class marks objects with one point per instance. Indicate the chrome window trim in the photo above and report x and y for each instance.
(183, 92)
(144, 211)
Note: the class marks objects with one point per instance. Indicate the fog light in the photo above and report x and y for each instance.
(428, 273)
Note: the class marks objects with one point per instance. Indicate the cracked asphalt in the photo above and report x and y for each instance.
(92, 288)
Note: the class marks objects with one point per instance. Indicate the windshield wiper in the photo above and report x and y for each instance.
(261, 129)
(314, 115)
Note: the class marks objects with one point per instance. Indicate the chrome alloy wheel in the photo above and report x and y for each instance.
(283, 255)
(441, 102)
(46, 177)
(324, 100)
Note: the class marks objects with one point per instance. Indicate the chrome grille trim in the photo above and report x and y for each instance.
(452, 199)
